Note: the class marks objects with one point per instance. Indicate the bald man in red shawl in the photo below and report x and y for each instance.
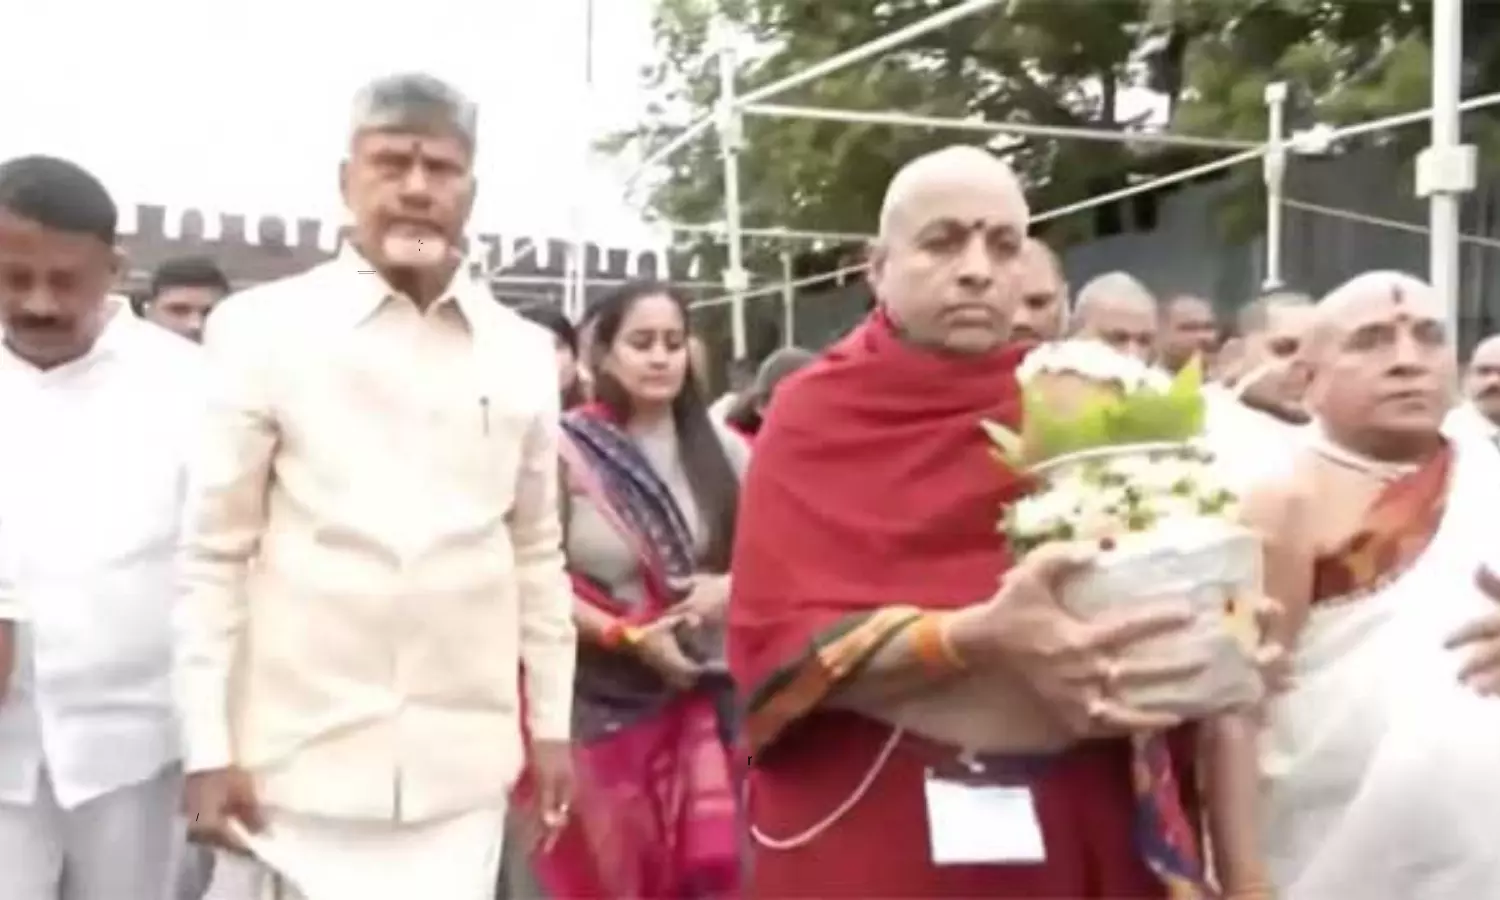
(924, 719)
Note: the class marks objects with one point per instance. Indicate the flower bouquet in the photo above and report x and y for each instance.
(1114, 447)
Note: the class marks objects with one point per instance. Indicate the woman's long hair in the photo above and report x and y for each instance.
(713, 482)
(550, 317)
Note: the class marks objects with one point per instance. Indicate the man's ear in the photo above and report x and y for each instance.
(875, 260)
(1229, 362)
(1301, 378)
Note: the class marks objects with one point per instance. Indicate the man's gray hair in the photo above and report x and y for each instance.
(1105, 287)
(1255, 316)
(415, 102)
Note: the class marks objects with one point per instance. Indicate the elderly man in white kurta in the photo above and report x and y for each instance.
(99, 408)
(372, 545)
(1379, 762)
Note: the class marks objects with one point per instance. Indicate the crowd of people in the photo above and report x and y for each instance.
(361, 585)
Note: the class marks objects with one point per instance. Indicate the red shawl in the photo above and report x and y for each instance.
(872, 486)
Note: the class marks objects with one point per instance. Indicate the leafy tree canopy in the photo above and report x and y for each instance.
(1050, 62)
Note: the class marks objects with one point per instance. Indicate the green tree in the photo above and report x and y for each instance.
(1050, 62)
(1344, 62)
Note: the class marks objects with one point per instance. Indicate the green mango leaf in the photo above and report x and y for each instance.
(1143, 416)
(1012, 450)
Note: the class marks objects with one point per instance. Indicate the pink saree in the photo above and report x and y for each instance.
(656, 810)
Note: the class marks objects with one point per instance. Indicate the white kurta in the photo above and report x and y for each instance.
(1380, 768)
(1465, 423)
(1249, 445)
(91, 481)
(371, 555)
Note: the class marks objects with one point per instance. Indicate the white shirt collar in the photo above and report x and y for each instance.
(466, 292)
(1465, 420)
(119, 328)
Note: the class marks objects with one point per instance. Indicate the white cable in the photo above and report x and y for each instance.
(1019, 129)
(705, 123)
(1123, 193)
(1394, 224)
(780, 286)
(1146, 187)
(1473, 103)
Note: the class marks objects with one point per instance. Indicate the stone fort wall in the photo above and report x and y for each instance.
(255, 249)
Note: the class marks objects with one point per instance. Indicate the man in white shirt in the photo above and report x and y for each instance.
(372, 545)
(741, 378)
(1120, 311)
(183, 292)
(99, 407)
(1479, 416)
(1255, 416)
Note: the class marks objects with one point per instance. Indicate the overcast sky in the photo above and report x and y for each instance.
(241, 107)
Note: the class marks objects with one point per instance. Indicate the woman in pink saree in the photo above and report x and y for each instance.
(650, 500)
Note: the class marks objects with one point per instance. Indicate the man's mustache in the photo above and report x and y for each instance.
(1492, 390)
(25, 322)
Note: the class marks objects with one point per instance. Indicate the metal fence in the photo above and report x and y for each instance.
(1343, 216)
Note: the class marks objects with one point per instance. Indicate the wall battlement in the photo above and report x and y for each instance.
(253, 249)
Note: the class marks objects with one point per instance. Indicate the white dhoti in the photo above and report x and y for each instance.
(303, 857)
(1382, 771)
(125, 845)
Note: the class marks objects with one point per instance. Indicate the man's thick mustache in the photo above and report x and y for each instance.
(32, 323)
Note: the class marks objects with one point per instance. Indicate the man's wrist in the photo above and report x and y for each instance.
(967, 635)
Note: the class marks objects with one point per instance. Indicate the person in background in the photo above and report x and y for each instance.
(183, 292)
(702, 363)
(653, 486)
(101, 409)
(741, 378)
(564, 344)
(1478, 416)
(1254, 414)
(1043, 310)
(372, 545)
(1189, 329)
(1269, 334)
(1117, 309)
(749, 414)
(924, 718)
(585, 343)
(514, 882)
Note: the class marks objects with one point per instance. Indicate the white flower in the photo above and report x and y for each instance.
(1130, 492)
(1041, 514)
(1167, 508)
(1094, 360)
(1152, 476)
